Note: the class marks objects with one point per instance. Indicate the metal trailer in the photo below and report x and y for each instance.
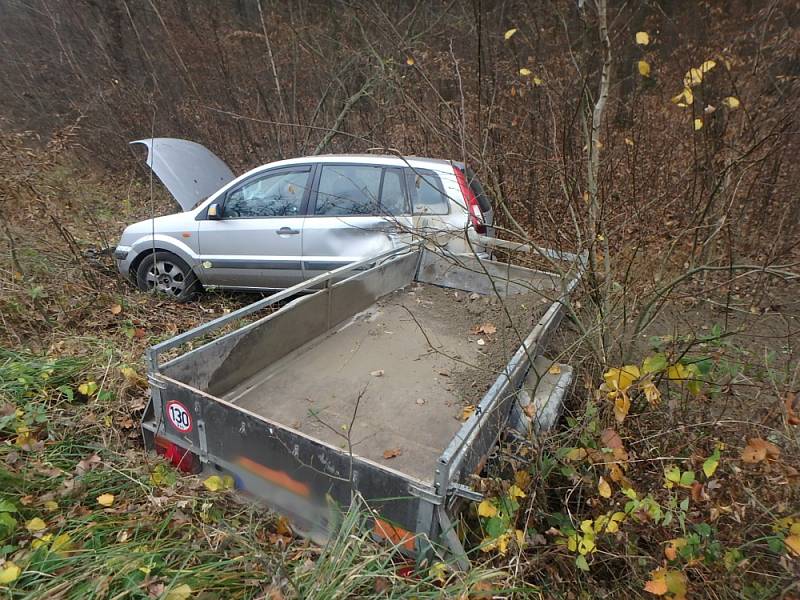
(196, 417)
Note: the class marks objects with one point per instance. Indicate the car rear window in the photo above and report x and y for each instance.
(354, 190)
(427, 193)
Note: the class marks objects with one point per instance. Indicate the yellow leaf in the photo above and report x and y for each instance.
(51, 505)
(410, 61)
(116, 309)
(795, 528)
(651, 391)
(9, 572)
(707, 66)
(105, 500)
(554, 369)
(213, 483)
(524, 72)
(88, 388)
(685, 98)
(576, 454)
(698, 124)
(629, 141)
(515, 492)
(437, 571)
(467, 412)
(487, 509)
(604, 488)
(642, 38)
(520, 535)
(42, 541)
(644, 68)
(693, 77)
(572, 543)
(35, 525)
(677, 372)
(613, 523)
(621, 379)
(522, 479)
(731, 102)
(502, 543)
(182, 592)
(61, 543)
(676, 584)
(587, 526)
(622, 405)
(537, 81)
(586, 544)
(793, 544)
(508, 34)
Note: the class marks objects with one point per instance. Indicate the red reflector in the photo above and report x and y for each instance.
(474, 209)
(181, 459)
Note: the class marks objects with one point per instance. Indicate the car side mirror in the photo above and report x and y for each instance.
(214, 212)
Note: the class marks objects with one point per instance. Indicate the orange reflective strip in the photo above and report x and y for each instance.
(397, 535)
(279, 478)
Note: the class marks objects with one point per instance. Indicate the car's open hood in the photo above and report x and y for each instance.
(189, 171)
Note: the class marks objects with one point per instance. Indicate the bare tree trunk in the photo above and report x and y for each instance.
(597, 228)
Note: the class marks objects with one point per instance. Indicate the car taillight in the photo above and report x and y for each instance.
(473, 208)
(180, 458)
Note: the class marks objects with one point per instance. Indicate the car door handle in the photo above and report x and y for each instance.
(287, 231)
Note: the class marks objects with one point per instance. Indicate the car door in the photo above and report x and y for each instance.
(255, 241)
(358, 210)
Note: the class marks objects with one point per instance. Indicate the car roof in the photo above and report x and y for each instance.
(436, 164)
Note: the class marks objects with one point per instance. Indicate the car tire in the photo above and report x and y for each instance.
(167, 274)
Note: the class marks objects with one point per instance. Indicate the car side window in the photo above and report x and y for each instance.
(348, 190)
(273, 195)
(393, 194)
(427, 192)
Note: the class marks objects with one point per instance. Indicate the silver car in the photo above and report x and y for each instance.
(287, 221)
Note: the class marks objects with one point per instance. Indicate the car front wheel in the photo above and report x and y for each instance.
(167, 274)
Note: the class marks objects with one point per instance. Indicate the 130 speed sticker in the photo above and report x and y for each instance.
(179, 416)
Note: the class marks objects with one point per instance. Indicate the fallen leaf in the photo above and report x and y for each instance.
(611, 439)
(698, 124)
(707, 66)
(657, 584)
(642, 38)
(711, 463)
(410, 61)
(793, 544)
(604, 488)
(554, 369)
(693, 77)
(181, 592)
(35, 525)
(116, 309)
(9, 572)
(391, 453)
(486, 328)
(758, 449)
(792, 404)
(487, 509)
(89, 463)
(215, 483)
(524, 72)
(467, 412)
(378, 373)
(522, 479)
(105, 500)
(644, 68)
(515, 492)
(508, 34)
